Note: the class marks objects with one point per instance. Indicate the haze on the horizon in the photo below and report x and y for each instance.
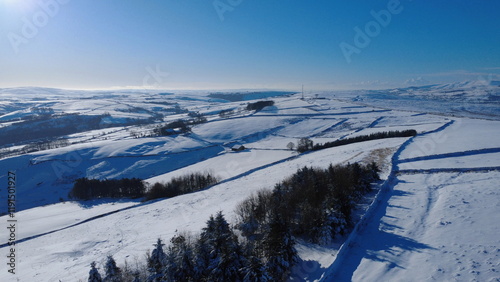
(225, 44)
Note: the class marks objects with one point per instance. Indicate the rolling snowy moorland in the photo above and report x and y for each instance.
(435, 215)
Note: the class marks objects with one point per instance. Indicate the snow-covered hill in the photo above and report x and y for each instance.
(435, 217)
(476, 99)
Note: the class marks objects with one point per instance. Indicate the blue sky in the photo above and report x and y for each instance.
(232, 44)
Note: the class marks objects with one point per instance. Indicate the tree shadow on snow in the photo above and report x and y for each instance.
(389, 246)
(383, 247)
(88, 204)
(307, 270)
(379, 244)
(399, 193)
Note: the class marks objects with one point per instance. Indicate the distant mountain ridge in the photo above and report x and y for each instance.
(467, 84)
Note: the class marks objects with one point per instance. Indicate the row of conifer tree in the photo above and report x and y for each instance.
(306, 144)
(87, 189)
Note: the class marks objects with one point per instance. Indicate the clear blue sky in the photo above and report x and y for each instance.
(245, 44)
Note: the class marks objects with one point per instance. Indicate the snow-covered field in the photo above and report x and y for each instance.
(434, 219)
(434, 227)
(438, 215)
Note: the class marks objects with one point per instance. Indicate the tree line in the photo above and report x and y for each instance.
(181, 185)
(305, 144)
(259, 105)
(87, 189)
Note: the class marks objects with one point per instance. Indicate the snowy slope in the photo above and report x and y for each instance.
(47, 176)
(434, 219)
(130, 233)
(439, 215)
(441, 227)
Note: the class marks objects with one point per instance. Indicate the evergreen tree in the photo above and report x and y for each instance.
(113, 272)
(207, 239)
(225, 258)
(255, 271)
(330, 224)
(94, 275)
(168, 273)
(248, 221)
(180, 260)
(156, 262)
(322, 232)
(279, 249)
(201, 258)
(375, 171)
